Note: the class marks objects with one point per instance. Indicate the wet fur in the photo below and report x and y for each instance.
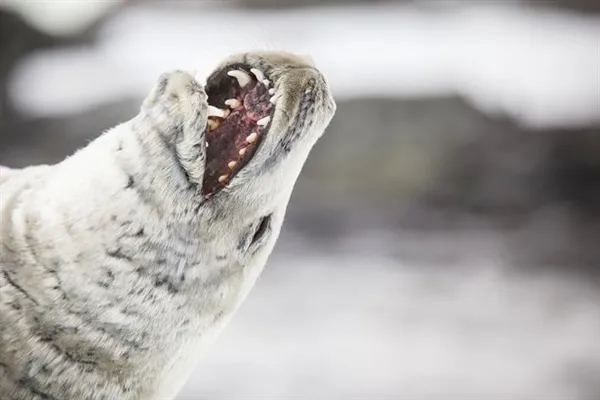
(114, 272)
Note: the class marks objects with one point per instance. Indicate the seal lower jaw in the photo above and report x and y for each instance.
(241, 104)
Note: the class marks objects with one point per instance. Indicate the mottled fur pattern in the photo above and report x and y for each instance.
(115, 273)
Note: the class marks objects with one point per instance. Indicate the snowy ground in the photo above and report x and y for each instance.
(539, 67)
(352, 325)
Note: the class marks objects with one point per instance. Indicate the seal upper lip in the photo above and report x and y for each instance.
(241, 104)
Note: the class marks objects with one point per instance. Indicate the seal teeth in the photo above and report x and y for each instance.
(215, 112)
(258, 73)
(263, 121)
(252, 137)
(232, 164)
(274, 99)
(266, 82)
(242, 77)
(223, 178)
(272, 91)
(233, 103)
(213, 124)
(242, 151)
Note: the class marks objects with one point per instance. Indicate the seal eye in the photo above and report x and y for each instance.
(262, 228)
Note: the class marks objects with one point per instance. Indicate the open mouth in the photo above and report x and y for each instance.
(241, 103)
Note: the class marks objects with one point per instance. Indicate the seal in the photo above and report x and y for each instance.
(121, 263)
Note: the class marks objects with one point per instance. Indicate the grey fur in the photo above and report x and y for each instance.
(115, 274)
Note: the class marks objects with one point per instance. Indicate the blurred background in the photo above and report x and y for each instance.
(443, 240)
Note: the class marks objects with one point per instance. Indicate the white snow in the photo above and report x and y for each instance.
(60, 17)
(538, 66)
(348, 325)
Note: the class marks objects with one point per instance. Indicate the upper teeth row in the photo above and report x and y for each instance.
(233, 103)
(216, 112)
(243, 78)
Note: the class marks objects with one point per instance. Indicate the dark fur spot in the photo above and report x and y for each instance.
(18, 287)
(197, 208)
(218, 316)
(118, 254)
(163, 281)
(191, 88)
(31, 386)
(140, 232)
(130, 182)
(110, 278)
(174, 96)
(58, 286)
(162, 84)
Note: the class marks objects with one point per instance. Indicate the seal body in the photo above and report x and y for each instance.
(115, 270)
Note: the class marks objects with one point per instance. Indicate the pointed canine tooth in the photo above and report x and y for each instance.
(233, 103)
(274, 99)
(206, 145)
(252, 137)
(242, 77)
(272, 91)
(266, 82)
(232, 164)
(215, 112)
(222, 178)
(258, 73)
(242, 151)
(263, 121)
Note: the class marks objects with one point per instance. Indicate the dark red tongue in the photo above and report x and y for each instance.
(234, 141)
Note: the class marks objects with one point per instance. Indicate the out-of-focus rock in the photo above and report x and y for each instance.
(575, 5)
(442, 153)
(66, 19)
(17, 39)
(49, 140)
